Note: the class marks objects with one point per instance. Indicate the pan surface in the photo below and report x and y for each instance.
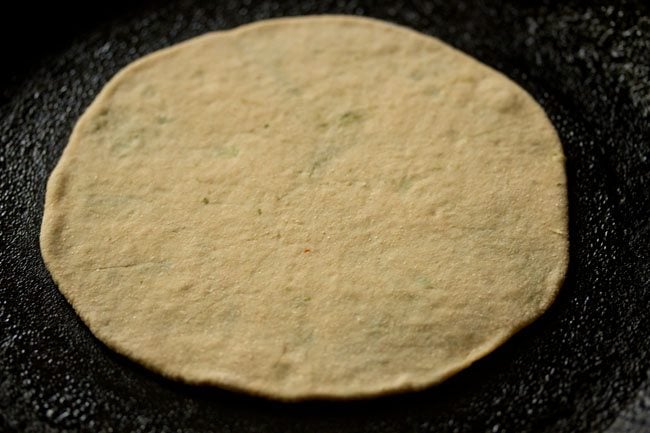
(583, 367)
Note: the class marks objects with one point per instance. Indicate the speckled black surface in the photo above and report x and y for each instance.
(583, 367)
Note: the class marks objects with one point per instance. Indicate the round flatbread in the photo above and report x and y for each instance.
(309, 207)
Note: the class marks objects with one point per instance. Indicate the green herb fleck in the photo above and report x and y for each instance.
(98, 124)
(424, 282)
(148, 90)
(227, 151)
(259, 211)
(350, 117)
(101, 121)
(404, 184)
(318, 163)
(266, 125)
(205, 200)
(162, 119)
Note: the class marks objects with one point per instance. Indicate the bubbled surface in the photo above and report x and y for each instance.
(582, 367)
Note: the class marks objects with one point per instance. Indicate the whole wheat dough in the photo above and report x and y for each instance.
(310, 207)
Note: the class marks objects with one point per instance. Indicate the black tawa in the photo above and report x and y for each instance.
(583, 367)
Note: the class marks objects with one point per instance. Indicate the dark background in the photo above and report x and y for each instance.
(583, 367)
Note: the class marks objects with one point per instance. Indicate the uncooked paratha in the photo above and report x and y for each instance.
(309, 207)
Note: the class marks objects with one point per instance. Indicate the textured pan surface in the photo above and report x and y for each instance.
(582, 367)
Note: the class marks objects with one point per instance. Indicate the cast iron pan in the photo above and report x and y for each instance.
(583, 367)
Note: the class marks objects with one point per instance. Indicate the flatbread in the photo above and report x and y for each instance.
(309, 207)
